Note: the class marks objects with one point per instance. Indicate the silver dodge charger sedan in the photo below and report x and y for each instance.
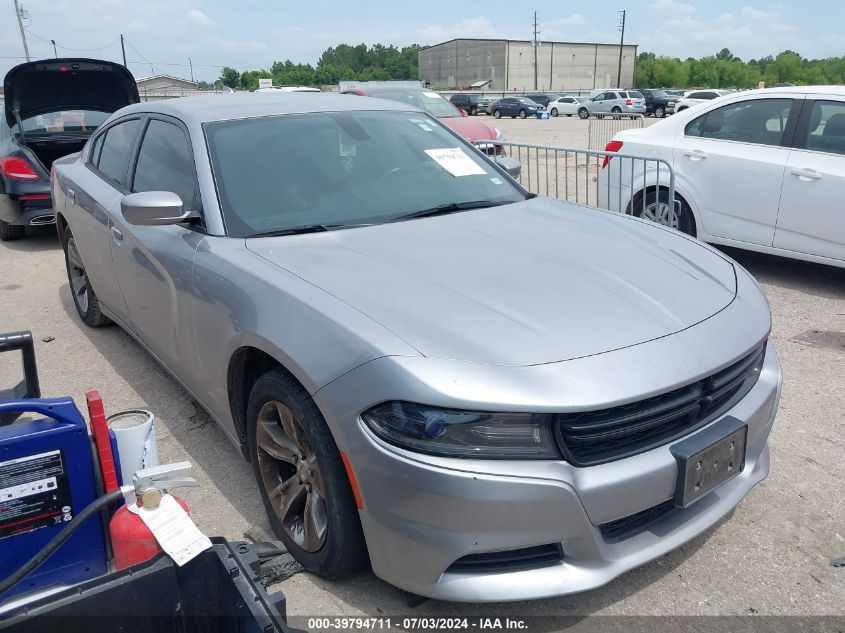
(485, 394)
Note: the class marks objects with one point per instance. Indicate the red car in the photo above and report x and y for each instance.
(457, 120)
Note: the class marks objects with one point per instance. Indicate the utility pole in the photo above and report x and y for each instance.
(621, 43)
(191, 64)
(123, 49)
(536, 46)
(55, 52)
(19, 15)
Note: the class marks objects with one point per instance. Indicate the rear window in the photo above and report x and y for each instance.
(63, 122)
(633, 94)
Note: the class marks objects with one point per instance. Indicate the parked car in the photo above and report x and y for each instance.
(565, 105)
(695, 97)
(514, 107)
(542, 98)
(614, 102)
(390, 330)
(762, 170)
(50, 109)
(658, 103)
(444, 110)
(471, 103)
(283, 89)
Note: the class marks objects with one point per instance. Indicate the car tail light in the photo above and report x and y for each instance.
(17, 169)
(628, 102)
(612, 146)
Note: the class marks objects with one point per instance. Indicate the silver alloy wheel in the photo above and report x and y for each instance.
(661, 213)
(291, 476)
(78, 278)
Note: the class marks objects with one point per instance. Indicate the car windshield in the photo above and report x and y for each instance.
(286, 172)
(63, 122)
(429, 101)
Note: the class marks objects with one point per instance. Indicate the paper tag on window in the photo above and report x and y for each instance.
(455, 161)
(174, 530)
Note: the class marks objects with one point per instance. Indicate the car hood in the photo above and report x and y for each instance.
(67, 84)
(471, 129)
(533, 282)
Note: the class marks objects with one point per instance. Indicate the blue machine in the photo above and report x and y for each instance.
(47, 475)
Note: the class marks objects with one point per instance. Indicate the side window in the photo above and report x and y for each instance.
(760, 121)
(94, 155)
(697, 95)
(165, 163)
(710, 95)
(117, 150)
(827, 127)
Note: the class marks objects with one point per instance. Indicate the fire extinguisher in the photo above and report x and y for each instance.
(132, 541)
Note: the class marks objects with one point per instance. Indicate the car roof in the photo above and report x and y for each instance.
(224, 107)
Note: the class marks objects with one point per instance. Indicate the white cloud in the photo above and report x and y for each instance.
(670, 7)
(198, 17)
(780, 27)
(726, 19)
(756, 14)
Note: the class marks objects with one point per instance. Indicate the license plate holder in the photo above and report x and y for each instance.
(708, 459)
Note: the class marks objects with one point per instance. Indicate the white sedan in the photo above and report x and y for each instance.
(565, 105)
(694, 97)
(762, 170)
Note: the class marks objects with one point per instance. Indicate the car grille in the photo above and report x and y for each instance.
(511, 560)
(614, 531)
(595, 437)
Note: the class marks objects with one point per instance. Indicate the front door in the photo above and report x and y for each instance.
(732, 160)
(155, 263)
(811, 218)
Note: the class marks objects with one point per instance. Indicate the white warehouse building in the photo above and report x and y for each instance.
(507, 65)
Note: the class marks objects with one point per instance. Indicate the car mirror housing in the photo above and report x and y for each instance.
(511, 165)
(154, 208)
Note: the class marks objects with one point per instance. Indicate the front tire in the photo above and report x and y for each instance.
(497, 114)
(584, 113)
(522, 114)
(84, 298)
(11, 232)
(658, 210)
(301, 476)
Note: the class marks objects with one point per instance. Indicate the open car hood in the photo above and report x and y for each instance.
(67, 84)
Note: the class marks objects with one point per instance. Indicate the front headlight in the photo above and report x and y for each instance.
(468, 434)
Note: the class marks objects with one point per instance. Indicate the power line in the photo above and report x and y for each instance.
(67, 48)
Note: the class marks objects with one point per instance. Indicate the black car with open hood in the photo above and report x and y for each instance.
(50, 109)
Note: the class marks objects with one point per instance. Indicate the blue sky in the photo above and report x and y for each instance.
(163, 34)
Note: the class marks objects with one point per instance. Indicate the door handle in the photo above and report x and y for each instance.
(696, 154)
(806, 174)
(71, 195)
(117, 236)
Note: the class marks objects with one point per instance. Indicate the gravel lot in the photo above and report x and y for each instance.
(772, 556)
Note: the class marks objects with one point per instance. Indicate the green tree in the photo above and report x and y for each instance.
(230, 77)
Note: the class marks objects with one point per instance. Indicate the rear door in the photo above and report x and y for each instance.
(811, 218)
(155, 263)
(732, 159)
(89, 194)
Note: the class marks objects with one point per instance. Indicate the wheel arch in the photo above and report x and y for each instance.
(247, 364)
(61, 225)
(680, 195)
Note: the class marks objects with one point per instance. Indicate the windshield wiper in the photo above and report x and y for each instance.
(306, 228)
(450, 207)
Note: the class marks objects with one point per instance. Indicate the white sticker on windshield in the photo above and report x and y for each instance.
(496, 181)
(347, 149)
(425, 127)
(455, 161)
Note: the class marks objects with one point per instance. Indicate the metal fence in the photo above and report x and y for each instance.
(625, 183)
(603, 127)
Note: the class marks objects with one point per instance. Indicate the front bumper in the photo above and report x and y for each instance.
(423, 513)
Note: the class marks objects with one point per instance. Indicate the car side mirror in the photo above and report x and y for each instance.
(154, 208)
(511, 165)
(464, 112)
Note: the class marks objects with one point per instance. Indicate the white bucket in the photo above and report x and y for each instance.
(135, 434)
